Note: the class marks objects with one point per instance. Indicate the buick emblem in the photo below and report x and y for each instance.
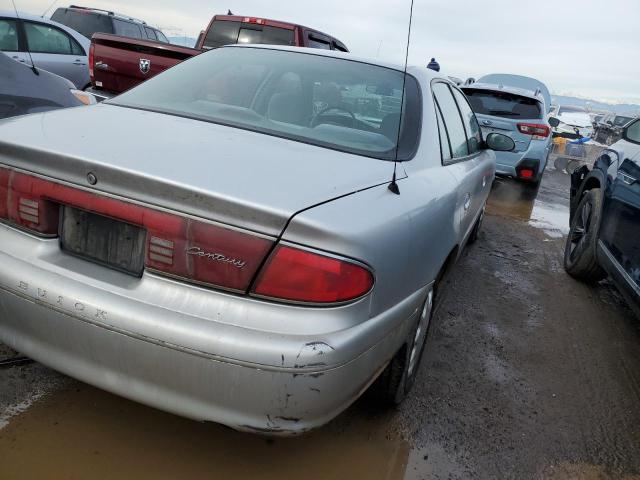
(145, 65)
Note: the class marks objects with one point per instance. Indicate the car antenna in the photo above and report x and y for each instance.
(393, 186)
(33, 65)
(48, 8)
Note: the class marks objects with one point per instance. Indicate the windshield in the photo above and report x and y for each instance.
(337, 103)
(569, 109)
(503, 104)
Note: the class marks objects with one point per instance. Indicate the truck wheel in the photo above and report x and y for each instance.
(580, 260)
(395, 382)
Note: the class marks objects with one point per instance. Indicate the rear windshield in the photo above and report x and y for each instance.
(83, 21)
(335, 103)
(224, 32)
(503, 104)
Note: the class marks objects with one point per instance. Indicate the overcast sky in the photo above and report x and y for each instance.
(587, 48)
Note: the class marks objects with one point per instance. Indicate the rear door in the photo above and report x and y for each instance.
(56, 51)
(461, 155)
(620, 229)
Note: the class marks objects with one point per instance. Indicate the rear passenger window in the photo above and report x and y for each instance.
(8, 35)
(452, 120)
(470, 122)
(222, 33)
(445, 148)
(42, 38)
(150, 33)
(127, 29)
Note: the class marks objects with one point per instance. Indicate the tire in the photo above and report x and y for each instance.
(475, 233)
(580, 259)
(397, 379)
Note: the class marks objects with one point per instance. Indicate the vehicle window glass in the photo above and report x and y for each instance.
(452, 120)
(570, 109)
(42, 38)
(266, 35)
(445, 149)
(8, 35)
(620, 121)
(503, 104)
(150, 33)
(470, 122)
(633, 132)
(336, 103)
(83, 22)
(126, 29)
(222, 33)
(317, 43)
(161, 36)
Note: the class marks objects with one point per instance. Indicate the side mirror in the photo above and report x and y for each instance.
(500, 143)
(554, 122)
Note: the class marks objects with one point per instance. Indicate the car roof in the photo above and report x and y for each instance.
(98, 11)
(505, 88)
(25, 16)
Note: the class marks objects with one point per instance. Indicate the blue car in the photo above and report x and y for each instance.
(605, 218)
(516, 106)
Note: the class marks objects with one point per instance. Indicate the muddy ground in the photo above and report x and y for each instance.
(527, 374)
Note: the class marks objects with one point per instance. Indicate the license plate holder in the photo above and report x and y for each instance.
(104, 240)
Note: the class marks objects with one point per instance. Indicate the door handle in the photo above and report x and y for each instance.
(102, 66)
(467, 201)
(15, 57)
(79, 62)
(626, 178)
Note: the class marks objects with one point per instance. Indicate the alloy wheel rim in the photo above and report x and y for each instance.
(578, 233)
(421, 332)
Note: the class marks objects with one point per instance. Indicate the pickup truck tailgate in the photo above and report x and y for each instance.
(121, 63)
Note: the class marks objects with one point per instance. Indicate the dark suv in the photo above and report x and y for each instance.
(88, 21)
(604, 237)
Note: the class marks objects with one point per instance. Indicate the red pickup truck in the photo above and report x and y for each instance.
(118, 63)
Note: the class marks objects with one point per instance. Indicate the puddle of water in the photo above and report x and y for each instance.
(87, 433)
(553, 219)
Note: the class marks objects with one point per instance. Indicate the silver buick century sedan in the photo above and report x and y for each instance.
(254, 237)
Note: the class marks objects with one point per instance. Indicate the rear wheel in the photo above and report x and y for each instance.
(580, 260)
(396, 380)
(475, 233)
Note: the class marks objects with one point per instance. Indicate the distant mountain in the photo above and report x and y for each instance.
(593, 105)
(183, 41)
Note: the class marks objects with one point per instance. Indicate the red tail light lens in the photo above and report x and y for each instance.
(535, 129)
(176, 245)
(92, 49)
(303, 276)
(526, 173)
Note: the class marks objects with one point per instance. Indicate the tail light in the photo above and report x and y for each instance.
(537, 130)
(92, 52)
(303, 276)
(178, 246)
(526, 173)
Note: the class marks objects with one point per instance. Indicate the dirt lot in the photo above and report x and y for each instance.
(527, 374)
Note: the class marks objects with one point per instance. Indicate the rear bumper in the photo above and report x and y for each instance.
(510, 163)
(96, 325)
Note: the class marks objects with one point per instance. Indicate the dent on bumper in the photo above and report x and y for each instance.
(62, 323)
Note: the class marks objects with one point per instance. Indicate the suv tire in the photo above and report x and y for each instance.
(580, 259)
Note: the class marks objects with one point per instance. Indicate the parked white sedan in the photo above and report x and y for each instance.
(252, 237)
